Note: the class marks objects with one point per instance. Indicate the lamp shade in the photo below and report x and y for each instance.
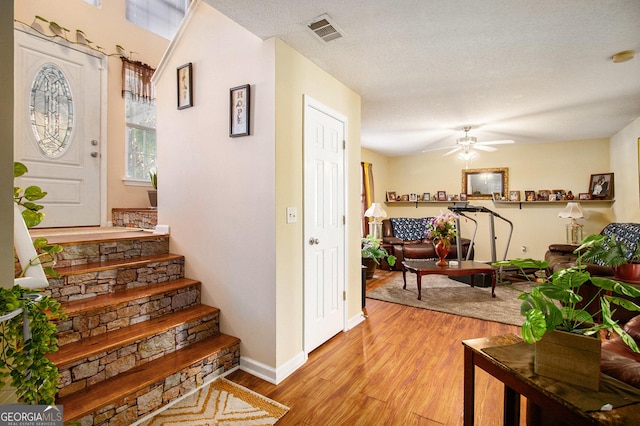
(573, 210)
(375, 211)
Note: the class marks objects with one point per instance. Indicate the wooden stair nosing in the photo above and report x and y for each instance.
(73, 307)
(110, 340)
(85, 268)
(94, 397)
(99, 237)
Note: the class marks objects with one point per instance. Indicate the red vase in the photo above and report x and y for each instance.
(442, 250)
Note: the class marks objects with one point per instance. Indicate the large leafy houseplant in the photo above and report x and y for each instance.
(372, 249)
(27, 331)
(553, 304)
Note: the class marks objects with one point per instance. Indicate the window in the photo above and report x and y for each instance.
(161, 17)
(140, 117)
(141, 137)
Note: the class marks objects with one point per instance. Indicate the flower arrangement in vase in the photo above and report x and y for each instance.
(442, 229)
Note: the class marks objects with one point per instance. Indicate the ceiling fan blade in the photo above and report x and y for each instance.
(502, 142)
(485, 148)
(456, 149)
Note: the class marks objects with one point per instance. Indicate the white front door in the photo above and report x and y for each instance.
(324, 229)
(57, 127)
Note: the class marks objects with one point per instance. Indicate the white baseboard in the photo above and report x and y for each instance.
(270, 374)
(355, 320)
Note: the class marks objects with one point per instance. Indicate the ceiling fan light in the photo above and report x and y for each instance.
(467, 140)
(468, 155)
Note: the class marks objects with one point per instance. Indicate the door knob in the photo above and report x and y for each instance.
(94, 154)
(94, 142)
(313, 241)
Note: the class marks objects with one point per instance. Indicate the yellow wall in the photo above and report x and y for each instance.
(297, 76)
(106, 26)
(560, 165)
(625, 161)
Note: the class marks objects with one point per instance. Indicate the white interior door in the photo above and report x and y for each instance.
(324, 227)
(58, 127)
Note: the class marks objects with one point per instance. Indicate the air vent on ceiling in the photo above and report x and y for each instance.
(325, 29)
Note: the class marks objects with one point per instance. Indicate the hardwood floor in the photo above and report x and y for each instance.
(401, 366)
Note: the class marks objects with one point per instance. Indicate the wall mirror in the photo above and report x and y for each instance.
(481, 184)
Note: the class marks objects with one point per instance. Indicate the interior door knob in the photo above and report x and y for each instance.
(94, 154)
(313, 241)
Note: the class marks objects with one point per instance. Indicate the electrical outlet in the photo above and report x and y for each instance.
(292, 215)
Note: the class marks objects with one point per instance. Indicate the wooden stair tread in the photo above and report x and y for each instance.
(117, 338)
(103, 393)
(117, 263)
(98, 237)
(74, 307)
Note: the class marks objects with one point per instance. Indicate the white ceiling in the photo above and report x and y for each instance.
(531, 71)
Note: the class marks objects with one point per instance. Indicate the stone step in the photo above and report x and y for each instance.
(94, 359)
(98, 278)
(96, 315)
(104, 244)
(128, 396)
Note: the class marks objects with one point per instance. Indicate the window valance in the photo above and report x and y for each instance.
(136, 80)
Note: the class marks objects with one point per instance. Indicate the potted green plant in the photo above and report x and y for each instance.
(555, 307)
(371, 252)
(624, 261)
(26, 316)
(153, 193)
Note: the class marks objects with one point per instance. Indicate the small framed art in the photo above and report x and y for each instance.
(442, 195)
(543, 195)
(239, 108)
(426, 196)
(530, 195)
(413, 196)
(185, 86)
(514, 195)
(391, 196)
(463, 196)
(584, 196)
(601, 186)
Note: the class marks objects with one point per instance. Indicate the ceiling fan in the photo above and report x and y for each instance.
(467, 144)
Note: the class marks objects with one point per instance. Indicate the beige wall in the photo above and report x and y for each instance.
(625, 161)
(297, 76)
(107, 27)
(218, 193)
(380, 173)
(561, 165)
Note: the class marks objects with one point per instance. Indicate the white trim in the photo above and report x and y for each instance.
(175, 41)
(270, 374)
(356, 320)
(136, 182)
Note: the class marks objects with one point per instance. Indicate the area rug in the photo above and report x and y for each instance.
(221, 403)
(443, 294)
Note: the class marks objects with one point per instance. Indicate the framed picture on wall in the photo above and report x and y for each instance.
(601, 186)
(442, 195)
(185, 86)
(413, 196)
(391, 196)
(426, 196)
(239, 108)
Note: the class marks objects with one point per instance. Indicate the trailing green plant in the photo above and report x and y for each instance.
(372, 249)
(33, 375)
(609, 251)
(553, 304)
(27, 311)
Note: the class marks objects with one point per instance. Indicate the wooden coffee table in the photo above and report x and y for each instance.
(463, 268)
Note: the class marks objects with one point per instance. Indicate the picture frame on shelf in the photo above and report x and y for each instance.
(426, 196)
(543, 195)
(405, 197)
(561, 194)
(496, 196)
(463, 196)
(601, 186)
(185, 85)
(413, 196)
(530, 195)
(391, 196)
(553, 196)
(239, 111)
(442, 195)
(514, 195)
(584, 196)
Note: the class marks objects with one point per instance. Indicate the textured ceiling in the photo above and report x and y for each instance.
(532, 71)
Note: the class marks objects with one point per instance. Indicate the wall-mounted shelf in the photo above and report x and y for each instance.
(520, 203)
(404, 203)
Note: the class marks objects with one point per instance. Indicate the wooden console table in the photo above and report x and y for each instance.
(545, 397)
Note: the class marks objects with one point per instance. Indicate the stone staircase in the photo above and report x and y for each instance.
(137, 336)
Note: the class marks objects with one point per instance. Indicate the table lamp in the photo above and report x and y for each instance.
(573, 211)
(376, 212)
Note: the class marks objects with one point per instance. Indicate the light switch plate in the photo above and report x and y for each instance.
(292, 215)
